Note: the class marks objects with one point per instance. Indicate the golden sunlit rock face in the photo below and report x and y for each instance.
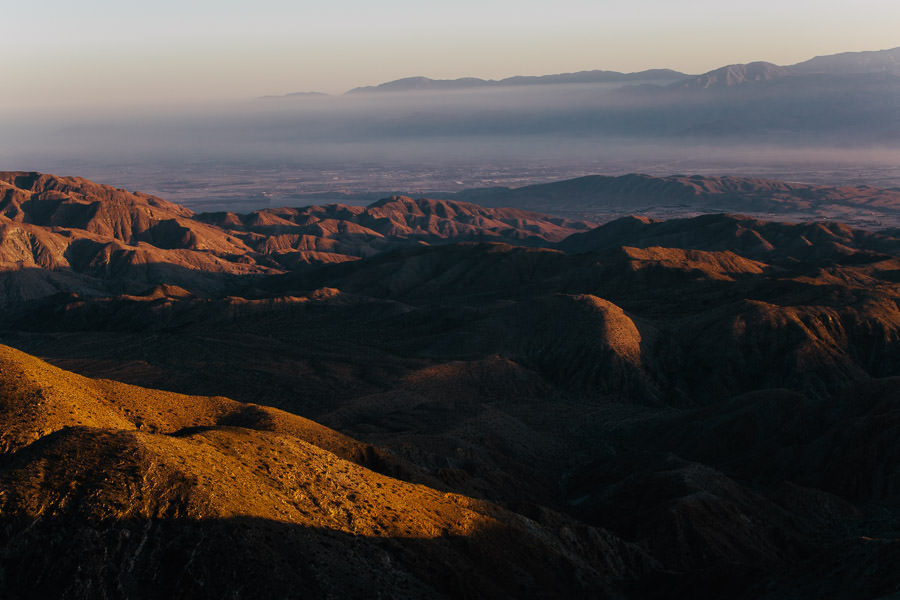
(457, 402)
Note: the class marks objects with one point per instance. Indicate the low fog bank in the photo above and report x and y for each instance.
(281, 150)
(795, 112)
(362, 173)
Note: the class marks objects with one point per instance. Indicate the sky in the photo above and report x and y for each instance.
(104, 54)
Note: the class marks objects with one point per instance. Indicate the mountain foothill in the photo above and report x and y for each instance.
(437, 398)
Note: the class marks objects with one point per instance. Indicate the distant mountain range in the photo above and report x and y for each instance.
(408, 84)
(878, 61)
(843, 100)
(885, 62)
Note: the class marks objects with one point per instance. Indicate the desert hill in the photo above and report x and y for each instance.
(100, 462)
(352, 232)
(751, 238)
(74, 203)
(697, 406)
(69, 235)
(678, 195)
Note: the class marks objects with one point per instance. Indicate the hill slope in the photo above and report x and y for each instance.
(701, 406)
(606, 197)
(125, 475)
(72, 236)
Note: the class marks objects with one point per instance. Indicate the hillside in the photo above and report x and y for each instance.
(604, 197)
(87, 464)
(478, 405)
(70, 235)
(292, 235)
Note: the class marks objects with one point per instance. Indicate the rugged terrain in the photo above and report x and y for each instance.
(108, 489)
(69, 235)
(606, 197)
(464, 402)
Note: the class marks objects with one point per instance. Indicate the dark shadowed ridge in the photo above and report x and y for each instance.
(662, 197)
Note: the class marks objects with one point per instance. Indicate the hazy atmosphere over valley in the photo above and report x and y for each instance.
(216, 105)
(433, 300)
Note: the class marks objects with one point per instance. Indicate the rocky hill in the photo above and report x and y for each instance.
(69, 235)
(110, 489)
(294, 235)
(476, 405)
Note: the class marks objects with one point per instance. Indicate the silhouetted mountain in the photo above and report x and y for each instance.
(296, 95)
(410, 84)
(840, 101)
(882, 61)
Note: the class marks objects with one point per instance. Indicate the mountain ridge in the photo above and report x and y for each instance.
(420, 83)
(869, 61)
(481, 406)
(128, 458)
(74, 235)
(665, 196)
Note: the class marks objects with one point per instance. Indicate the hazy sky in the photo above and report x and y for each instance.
(104, 53)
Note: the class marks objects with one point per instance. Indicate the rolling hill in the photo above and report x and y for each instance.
(69, 235)
(606, 197)
(481, 403)
(107, 488)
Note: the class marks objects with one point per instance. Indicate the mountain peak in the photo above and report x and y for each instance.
(873, 61)
(733, 75)
(422, 84)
